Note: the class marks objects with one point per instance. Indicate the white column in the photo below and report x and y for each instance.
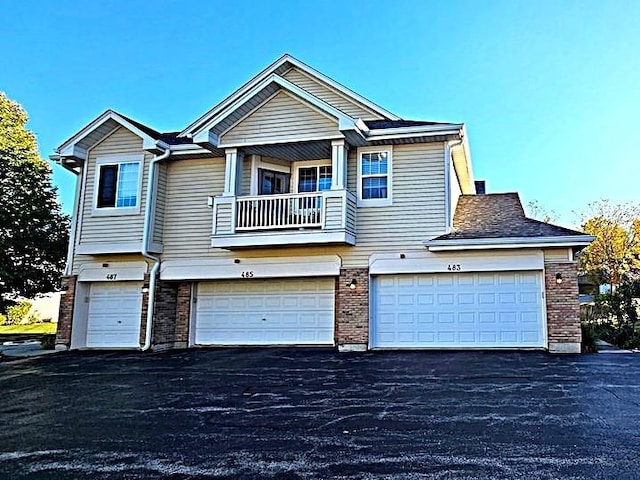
(232, 172)
(339, 152)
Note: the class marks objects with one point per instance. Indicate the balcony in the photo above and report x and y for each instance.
(327, 217)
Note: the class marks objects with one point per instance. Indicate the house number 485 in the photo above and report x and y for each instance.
(247, 274)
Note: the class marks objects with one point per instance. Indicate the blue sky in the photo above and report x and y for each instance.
(549, 90)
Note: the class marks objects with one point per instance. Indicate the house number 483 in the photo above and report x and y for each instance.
(454, 267)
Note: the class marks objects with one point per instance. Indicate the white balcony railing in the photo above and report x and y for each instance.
(269, 212)
(289, 219)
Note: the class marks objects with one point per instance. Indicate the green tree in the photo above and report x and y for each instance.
(616, 249)
(33, 229)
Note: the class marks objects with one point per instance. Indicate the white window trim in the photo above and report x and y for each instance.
(116, 160)
(256, 164)
(376, 202)
(296, 166)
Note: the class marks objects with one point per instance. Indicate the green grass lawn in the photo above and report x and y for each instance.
(36, 328)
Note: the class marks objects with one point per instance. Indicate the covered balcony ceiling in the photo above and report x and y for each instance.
(312, 150)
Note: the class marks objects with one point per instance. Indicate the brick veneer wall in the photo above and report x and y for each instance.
(171, 316)
(563, 308)
(352, 310)
(65, 314)
(145, 307)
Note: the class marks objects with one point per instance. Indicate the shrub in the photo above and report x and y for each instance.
(614, 316)
(48, 342)
(18, 312)
(588, 339)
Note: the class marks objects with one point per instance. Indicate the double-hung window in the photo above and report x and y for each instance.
(375, 176)
(118, 185)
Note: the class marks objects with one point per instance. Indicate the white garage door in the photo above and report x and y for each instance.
(265, 312)
(463, 310)
(114, 315)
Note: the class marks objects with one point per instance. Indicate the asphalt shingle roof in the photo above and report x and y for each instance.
(498, 215)
(170, 138)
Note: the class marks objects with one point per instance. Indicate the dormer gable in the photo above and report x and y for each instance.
(317, 84)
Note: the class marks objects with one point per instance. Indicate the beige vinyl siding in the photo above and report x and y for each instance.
(417, 213)
(283, 118)
(161, 196)
(245, 180)
(100, 229)
(333, 213)
(188, 220)
(556, 255)
(331, 96)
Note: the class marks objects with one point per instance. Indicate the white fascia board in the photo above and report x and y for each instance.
(272, 267)
(66, 149)
(345, 122)
(405, 132)
(515, 242)
(74, 151)
(197, 125)
(459, 262)
(341, 88)
(113, 272)
(126, 247)
(262, 239)
(281, 141)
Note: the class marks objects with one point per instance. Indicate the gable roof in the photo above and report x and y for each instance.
(492, 219)
(279, 67)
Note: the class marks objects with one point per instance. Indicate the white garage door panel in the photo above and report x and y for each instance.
(265, 312)
(482, 310)
(114, 315)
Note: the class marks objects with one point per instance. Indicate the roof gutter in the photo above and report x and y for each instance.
(514, 242)
(146, 233)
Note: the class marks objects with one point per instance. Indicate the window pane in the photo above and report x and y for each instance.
(374, 163)
(272, 183)
(324, 182)
(375, 187)
(128, 185)
(307, 178)
(107, 186)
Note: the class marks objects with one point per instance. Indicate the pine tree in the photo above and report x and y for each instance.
(33, 229)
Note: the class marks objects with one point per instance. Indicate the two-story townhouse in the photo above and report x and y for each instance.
(297, 212)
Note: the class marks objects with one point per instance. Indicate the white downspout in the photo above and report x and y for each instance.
(148, 210)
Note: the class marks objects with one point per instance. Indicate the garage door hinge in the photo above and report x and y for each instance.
(86, 299)
(195, 299)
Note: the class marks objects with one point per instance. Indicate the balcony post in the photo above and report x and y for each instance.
(339, 152)
(232, 172)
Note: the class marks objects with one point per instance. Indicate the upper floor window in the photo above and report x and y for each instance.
(118, 181)
(374, 176)
(314, 179)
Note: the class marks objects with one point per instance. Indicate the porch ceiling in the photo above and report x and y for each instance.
(313, 150)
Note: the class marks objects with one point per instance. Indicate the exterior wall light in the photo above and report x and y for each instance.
(353, 284)
(145, 290)
(558, 278)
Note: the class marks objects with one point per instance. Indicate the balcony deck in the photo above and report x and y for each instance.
(327, 217)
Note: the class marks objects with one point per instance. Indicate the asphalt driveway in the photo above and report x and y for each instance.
(317, 414)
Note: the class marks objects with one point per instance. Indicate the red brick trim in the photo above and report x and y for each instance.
(65, 315)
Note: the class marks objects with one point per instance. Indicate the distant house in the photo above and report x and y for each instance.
(297, 212)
